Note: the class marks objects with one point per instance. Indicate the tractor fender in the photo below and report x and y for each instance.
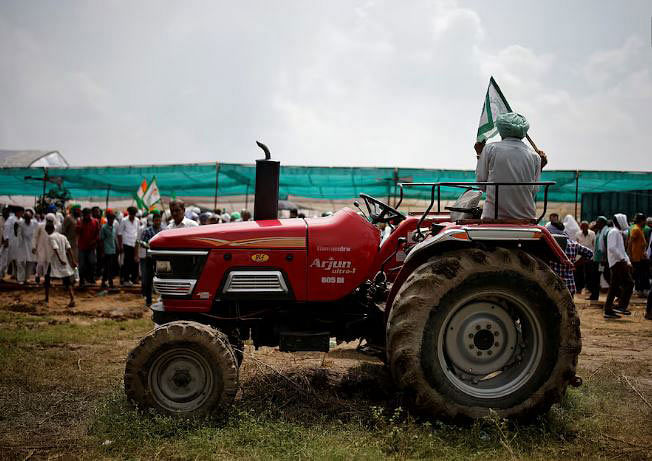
(536, 240)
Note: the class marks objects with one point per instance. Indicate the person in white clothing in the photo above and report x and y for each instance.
(41, 246)
(621, 283)
(584, 272)
(11, 236)
(4, 243)
(179, 220)
(61, 262)
(25, 258)
(127, 236)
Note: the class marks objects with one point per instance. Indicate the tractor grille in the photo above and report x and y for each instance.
(255, 282)
(174, 287)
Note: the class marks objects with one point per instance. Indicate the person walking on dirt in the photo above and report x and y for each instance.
(108, 237)
(88, 233)
(599, 258)
(61, 263)
(620, 267)
(4, 243)
(509, 160)
(573, 250)
(584, 272)
(648, 307)
(11, 236)
(69, 228)
(25, 259)
(127, 235)
(147, 263)
(41, 248)
(637, 249)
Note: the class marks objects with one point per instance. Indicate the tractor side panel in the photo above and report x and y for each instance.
(342, 250)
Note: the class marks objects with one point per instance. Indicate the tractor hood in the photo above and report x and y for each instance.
(286, 233)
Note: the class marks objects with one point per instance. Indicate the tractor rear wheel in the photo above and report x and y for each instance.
(182, 368)
(475, 330)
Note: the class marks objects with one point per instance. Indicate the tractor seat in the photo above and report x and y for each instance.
(466, 206)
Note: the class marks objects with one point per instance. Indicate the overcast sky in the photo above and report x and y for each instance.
(336, 83)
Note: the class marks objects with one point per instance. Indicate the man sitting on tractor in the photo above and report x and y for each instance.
(509, 160)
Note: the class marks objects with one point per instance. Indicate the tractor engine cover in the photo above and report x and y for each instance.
(321, 259)
(341, 252)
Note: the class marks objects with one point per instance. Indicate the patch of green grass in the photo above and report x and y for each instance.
(44, 386)
(17, 329)
(573, 429)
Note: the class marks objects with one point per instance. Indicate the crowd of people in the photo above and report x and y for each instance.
(611, 253)
(90, 244)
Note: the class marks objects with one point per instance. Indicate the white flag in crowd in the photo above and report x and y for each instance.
(152, 195)
(140, 193)
(494, 104)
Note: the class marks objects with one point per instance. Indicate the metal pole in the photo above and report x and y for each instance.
(45, 180)
(108, 189)
(577, 190)
(395, 180)
(217, 177)
(247, 196)
(496, 203)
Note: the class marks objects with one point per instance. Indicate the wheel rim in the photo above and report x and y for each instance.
(488, 345)
(181, 380)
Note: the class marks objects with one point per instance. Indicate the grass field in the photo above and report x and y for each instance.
(61, 396)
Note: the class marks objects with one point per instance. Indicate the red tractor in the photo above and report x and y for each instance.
(466, 313)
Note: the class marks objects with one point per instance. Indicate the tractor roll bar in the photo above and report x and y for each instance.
(471, 186)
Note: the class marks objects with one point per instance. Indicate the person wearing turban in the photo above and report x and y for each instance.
(509, 160)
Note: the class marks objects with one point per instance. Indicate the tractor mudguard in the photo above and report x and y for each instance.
(536, 240)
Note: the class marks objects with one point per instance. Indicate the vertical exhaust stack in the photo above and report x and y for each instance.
(267, 182)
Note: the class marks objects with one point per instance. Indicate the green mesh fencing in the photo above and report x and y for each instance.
(336, 183)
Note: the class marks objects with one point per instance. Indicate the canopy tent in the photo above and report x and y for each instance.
(333, 183)
(31, 158)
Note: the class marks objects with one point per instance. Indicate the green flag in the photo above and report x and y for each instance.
(152, 194)
(494, 104)
(140, 193)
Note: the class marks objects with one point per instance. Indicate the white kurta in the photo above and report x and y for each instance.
(616, 247)
(10, 236)
(25, 237)
(59, 244)
(3, 249)
(42, 245)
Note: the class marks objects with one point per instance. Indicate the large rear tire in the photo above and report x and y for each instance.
(182, 368)
(474, 330)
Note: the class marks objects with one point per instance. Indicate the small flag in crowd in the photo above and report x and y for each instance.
(152, 195)
(140, 193)
(494, 105)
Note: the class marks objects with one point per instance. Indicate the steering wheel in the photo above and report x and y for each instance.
(380, 212)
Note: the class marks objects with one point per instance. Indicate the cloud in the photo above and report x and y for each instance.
(322, 83)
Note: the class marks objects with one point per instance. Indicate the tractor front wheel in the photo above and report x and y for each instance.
(182, 368)
(475, 330)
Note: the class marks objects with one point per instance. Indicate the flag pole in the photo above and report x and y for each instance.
(534, 146)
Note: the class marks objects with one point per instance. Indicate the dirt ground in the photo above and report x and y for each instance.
(51, 381)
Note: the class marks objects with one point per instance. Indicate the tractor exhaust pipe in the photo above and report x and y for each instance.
(268, 172)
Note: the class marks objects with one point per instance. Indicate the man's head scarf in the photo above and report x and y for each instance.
(512, 125)
(621, 220)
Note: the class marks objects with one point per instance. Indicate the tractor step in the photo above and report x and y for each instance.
(294, 341)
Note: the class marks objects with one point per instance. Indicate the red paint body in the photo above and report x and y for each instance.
(324, 259)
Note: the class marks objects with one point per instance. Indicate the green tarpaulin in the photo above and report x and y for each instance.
(336, 183)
